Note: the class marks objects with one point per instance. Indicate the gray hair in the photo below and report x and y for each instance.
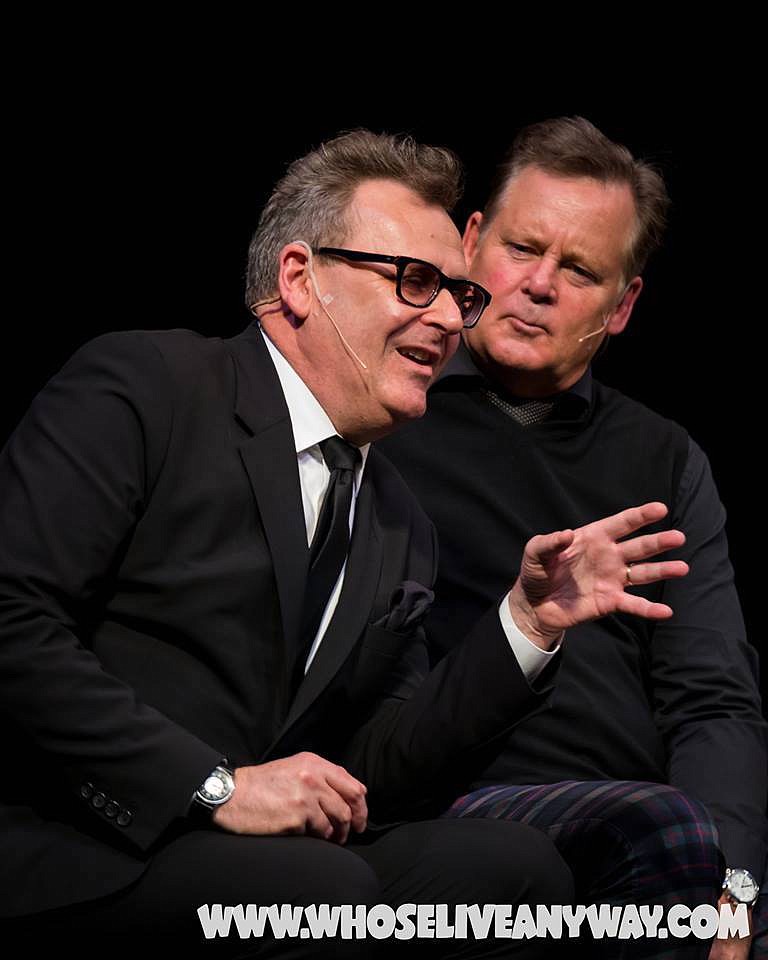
(311, 202)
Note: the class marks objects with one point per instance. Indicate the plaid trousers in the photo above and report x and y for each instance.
(625, 842)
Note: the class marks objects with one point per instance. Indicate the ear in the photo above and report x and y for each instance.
(472, 236)
(294, 279)
(619, 317)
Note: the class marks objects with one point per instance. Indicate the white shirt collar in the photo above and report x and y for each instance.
(309, 421)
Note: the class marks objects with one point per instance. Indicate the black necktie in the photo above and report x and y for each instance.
(330, 542)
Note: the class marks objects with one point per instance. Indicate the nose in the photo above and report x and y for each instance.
(539, 284)
(444, 312)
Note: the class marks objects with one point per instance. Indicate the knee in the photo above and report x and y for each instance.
(499, 861)
(546, 877)
(673, 831)
(669, 817)
(335, 875)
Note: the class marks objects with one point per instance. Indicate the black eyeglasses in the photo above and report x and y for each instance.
(419, 282)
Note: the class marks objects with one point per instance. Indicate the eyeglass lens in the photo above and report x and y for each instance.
(420, 283)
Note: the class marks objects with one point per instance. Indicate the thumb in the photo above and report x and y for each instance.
(543, 547)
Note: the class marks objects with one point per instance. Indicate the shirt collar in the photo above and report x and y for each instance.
(462, 365)
(310, 423)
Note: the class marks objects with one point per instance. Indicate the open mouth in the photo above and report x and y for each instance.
(423, 357)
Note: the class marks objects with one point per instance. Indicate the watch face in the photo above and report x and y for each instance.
(742, 886)
(218, 787)
(215, 788)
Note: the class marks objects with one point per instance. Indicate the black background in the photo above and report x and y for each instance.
(140, 181)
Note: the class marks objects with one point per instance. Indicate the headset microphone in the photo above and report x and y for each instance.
(323, 300)
(605, 320)
(594, 332)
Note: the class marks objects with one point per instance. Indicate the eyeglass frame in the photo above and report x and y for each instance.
(401, 263)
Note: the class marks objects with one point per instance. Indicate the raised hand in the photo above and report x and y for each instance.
(573, 576)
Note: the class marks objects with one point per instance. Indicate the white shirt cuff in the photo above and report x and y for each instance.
(532, 659)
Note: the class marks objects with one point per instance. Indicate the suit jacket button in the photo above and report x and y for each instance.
(86, 791)
(124, 818)
(111, 810)
(98, 800)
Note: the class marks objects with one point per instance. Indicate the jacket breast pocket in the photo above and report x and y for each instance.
(389, 664)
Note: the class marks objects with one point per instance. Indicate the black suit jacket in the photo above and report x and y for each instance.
(152, 564)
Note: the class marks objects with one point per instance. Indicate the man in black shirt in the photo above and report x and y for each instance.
(652, 728)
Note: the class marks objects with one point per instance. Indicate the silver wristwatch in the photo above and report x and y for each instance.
(216, 789)
(740, 886)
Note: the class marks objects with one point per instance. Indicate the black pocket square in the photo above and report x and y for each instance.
(408, 605)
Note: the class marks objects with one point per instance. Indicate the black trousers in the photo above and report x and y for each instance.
(442, 861)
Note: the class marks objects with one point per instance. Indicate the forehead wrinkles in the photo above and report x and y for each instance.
(590, 216)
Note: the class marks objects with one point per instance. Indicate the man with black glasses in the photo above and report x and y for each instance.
(212, 588)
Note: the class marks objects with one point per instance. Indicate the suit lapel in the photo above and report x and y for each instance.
(269, 458)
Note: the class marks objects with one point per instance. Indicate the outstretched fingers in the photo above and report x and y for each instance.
(640, 607)
(650, 545)
(627, 522)
(641, 573)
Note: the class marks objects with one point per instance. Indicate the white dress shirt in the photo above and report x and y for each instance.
(311, 424)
